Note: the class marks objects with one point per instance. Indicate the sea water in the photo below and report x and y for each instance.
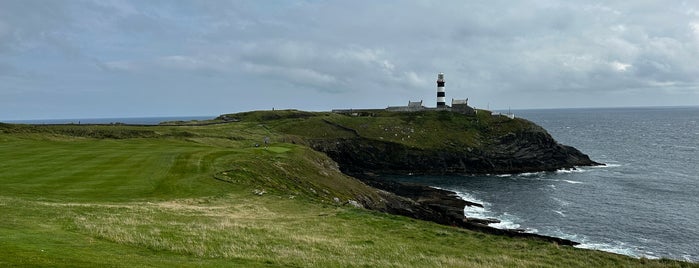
(643, 203)
(123, 120)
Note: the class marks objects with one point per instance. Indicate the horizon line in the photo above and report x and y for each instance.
(213, 116)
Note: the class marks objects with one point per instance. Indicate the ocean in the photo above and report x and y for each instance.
(124, 120)
(643, 203)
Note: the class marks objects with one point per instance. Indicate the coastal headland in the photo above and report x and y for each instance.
(368, 143)
(273, 188)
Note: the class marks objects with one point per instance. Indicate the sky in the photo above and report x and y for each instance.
(120, 58)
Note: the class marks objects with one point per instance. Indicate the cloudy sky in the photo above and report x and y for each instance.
(114, 58)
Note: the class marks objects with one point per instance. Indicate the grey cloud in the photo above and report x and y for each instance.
(371, 52)
(331, 69)
(26, 24)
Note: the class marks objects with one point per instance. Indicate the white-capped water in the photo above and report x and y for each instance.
(643, 203)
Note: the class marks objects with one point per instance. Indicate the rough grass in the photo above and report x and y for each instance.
(426, 129)
(210, 198)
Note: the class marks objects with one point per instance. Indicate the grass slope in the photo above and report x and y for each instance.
(415, 129)
(170, 196)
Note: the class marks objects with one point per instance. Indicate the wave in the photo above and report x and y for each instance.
(507, 220)
(505, 225)
(568, 171)
(607, 165)
(531, 174)
(559, 171)
(561, 202)
(559, 213)
(474, 211)
(510, 221)
(618, 248)
(556, 180)
(466, 196)
(685, 148)
(613, 247)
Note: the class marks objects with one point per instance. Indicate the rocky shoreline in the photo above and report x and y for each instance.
(526, 150)
(425, 143)
(440, 206)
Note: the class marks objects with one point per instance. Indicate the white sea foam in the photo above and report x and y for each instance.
(474, 211)
(568, 181)
(619, 248)
(607, 165)
(568, 171)
(507, 221)
(530, 174)
(559, 213)
(504, 225)
(467, 197)
(561, 201)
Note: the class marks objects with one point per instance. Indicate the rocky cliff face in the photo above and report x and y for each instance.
(515, 152)
(435, 142)
(528, 148)
(426, 142)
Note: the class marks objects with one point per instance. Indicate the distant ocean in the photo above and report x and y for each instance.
(126, 120)
(644, 203)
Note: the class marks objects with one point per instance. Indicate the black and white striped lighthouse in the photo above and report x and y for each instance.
(440, 91)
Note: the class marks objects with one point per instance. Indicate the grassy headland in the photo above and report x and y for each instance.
(137, 196)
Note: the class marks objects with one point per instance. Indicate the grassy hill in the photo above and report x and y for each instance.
(185, 196)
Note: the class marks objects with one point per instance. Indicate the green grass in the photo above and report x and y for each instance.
(109, 169)
(414, 129)
(190, 196)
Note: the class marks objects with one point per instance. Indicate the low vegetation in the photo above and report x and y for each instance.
(216, 195)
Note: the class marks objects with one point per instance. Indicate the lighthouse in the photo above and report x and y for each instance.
(440, 91)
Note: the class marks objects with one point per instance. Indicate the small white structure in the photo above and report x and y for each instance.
(461, 106)
(413, 106)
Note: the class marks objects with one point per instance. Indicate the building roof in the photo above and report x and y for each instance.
(415, 103)
(453, 101)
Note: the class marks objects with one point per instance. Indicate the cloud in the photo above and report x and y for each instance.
(374, 53)
(620, 67)
(296, 75)
(325, 68)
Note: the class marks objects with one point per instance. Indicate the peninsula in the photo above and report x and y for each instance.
(368, 143)
(279, 188)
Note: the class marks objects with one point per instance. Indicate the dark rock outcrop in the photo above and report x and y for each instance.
(368, 142)
(437, 205)
(526, 151)
(529, 149)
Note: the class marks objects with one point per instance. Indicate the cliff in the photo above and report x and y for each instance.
(427, 142)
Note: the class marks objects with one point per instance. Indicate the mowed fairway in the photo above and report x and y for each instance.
(108, 170)
(215, 201)
(48, 183)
